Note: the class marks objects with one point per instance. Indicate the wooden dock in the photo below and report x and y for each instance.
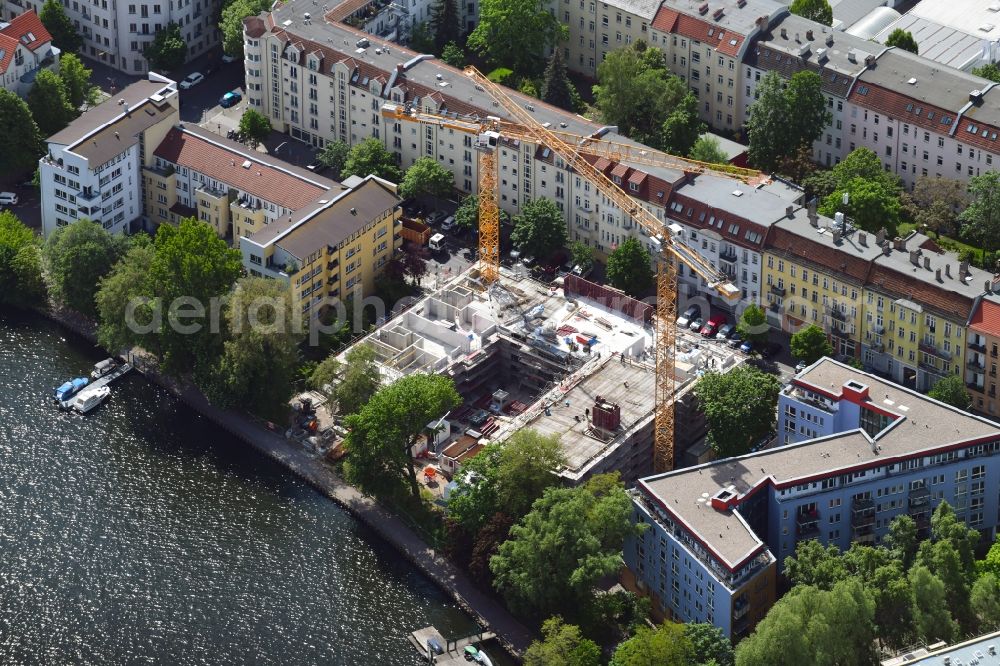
(454, 650)
(115, 374)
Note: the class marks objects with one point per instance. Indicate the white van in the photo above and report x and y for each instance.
(436, 242)
(7, 198)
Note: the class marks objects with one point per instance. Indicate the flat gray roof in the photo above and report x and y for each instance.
(756, 205)
(943, 87)
(119, 135)
(972, 286)
(937, 42)
(922, 424)
(741, 19)
(91, 119)
(644, 8)
(849, 12)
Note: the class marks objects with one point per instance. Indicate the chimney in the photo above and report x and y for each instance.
(836, 236)
(937, 275)
(899, 243)
(947, 270)
(813, 221)
(790, 211)
(989, 287)
(862, 239)
(829, 39)
(784, 33)
(880, 237)
(809, 35)
(399, 68)
(963, 270)
(886, 248)
(927, 263)
(915, 257)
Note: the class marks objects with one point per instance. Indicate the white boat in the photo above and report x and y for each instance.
(88, 399)
(483, 658)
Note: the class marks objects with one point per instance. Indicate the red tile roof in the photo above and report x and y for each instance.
(260, 180)
(669, 20)
(986, 318)
(8, 45)
(28, 29)
(900, 106)
(928, 295)
(254, 26)
(790, 244)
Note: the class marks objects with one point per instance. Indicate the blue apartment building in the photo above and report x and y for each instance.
(857, 452)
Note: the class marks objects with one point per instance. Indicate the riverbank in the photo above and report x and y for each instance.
(454, 582)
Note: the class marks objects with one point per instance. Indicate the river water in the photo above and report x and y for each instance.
(142, 534)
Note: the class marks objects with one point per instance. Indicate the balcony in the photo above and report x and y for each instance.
(929, 348)
(330, 265)
(974, 365)
(728, 255)
(87, 196)
(974, 386)
(978, 346)
(933, 369)
(777, 291)
(919, 497)
(740, 607)
(807, 524)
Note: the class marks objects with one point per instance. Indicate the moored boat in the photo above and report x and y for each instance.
(105, 367)
(88, 399)
(69, 389)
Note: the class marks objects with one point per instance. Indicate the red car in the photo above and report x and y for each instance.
(711, 327)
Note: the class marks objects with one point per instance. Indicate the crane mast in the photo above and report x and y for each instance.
(672, 248)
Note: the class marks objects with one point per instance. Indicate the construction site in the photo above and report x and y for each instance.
(572, 359)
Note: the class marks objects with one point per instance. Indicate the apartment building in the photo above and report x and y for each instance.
(25, 48)
(595, 28)
(861, 451)
(117, 32)
(93, 167)
(982, 351)
(332, 249)
(196, 173)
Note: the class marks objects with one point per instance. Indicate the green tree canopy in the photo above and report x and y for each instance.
(231, 23)
(981, 219)
(581, 255)
(20, 264)
(816, 565)
(901, 540)
(76, 81)
(985, 599)
(427, 178)
(371, 157)
(753, 324)
(255, 125)
(467, 214)
(20, 138)
(260, 354)
(76, 257)
(334, 157)
(902, 39)
(813, 626)
(446, 24)
(810, 344)
(540, 229)
(709, 645)
(64, 35)
(932, 619)
(935, 203)
(49, 103)
(816, 10)
(453, 55)
(557, 89)
(571, 538)
(168, 50)
(128, 280)
(629, 267)
(324, 374)
(515, 33)
(383, 433)
(740, 406)
(707, 149)
(951, 390)
(990, 563)
(667, 645)
(359, 381)
(988, 71)
(638, 94)
(785, 118)
(871, 205)
(562, 645)
(683, 127)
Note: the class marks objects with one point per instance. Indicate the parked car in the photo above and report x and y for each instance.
(736, 340)
(685, 319)
(226, 58)
(8, 198)
(725, 331)
(448, 224)
(583, 272)
(712, 326)
(696, 324)
(230, 99)
(434, 218)
(191, 80)
(746, 347)
(479, 418)
(800, 366)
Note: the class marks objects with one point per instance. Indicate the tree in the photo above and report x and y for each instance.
(334, 157)
(629, 267)
(324, 374)
(76, 257)
(421, 39)
(667, 645)
(945, 526)
(260, 354)
(359, 381)
(515, 32)
(128, 280)
(989, 71)
(582, 255)
(902, 39)
(815, 10)
(935, 203)
(932, 620)
(637, 93)
(707, 149)
(49, 104)
(426, 178)
(786, 118)
(445, 23)
(20, 264)
(383, 433)
(540, 229)
(986, 601)
(944, 561)
(816, 565)
(168, 50)
(562, 645)
(901, 539)
(467, 214)
(20, 138)
(487, 544)
(810, 344)
(991, 563)
(231, 23)
(76, 81)
(981, 219)
(255, 125)
(871, 205)
(753, 324)
(414, 261)
(571, 538)
(453, 55)
(371, 157)
(683, 127)
(813, 626)
(59, 25)
(557, 89)
(709, 645)
(740, 408)
(951, 391)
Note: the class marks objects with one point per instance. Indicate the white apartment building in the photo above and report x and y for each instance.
(93, 167)
(116, 32)
(25, 48)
